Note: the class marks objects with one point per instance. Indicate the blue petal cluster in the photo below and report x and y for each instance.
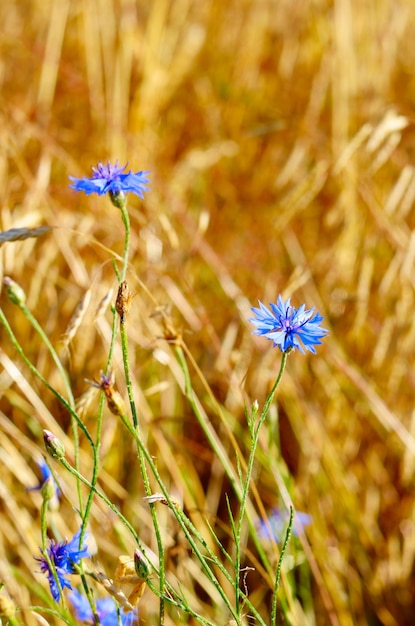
(106, 610)
(285, 326)
(64, 555)
(45, 474)
(110, 179)
(278, 523)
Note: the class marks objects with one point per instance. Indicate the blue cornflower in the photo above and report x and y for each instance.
(64, 556)
(45, 475)
(106, 610)
(278, 523)
(109, 178)
(285, 325)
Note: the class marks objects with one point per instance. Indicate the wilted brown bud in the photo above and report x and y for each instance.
(115, 403)
(114, 399)
(123, 301)
(170, 333)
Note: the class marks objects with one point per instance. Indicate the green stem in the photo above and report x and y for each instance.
(209, 433)
(97, 446)
(136, 432)
(126, 221)
(218, 449)
(64, 617)
(45, 553)
(179, 603)
(103, 497)
(184, 522)
(124, 344)
(255, 429)
(128, 381)
(64, 375)
(270, 397)
(95, 449)
(70, 405)
(143, 453)
(185, 525)
(182, 606)
(278, 575)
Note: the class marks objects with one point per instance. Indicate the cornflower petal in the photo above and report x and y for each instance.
(111, 179)
(278, 522)
(55, 588)
(45, 474)
(64, 556)
(289, 328)
(72, 553)
(106, 610)
(81, 606)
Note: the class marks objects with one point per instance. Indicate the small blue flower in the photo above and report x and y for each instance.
(45, 474)
(285, 325)
(106, 610)
(64, 556)
(278, 523)
(109, 178)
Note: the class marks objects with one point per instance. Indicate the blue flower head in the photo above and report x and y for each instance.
(45, 475)
(285, 326)
(64, 556)
(111, 179)
(278, 523)
(106, 610)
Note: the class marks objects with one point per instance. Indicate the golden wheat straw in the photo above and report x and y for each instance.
(103, 305)
(76, 319)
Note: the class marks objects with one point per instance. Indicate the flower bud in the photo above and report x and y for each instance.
(140, 566)
(14, 291)
(53, 445)
(118, 199)
(47, 490)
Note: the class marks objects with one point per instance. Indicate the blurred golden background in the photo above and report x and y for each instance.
(280, 141)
